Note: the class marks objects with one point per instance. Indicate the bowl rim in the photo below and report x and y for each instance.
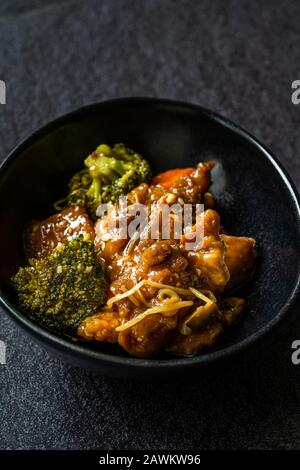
(59, 343)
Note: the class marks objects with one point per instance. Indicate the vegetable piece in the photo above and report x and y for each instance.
(111, 172)
(199, 318)
(59, 291)
(202, 314)
(168, 178)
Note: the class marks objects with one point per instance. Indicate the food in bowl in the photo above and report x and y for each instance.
(117, 262)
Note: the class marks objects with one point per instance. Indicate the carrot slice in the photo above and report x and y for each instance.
(168, 178)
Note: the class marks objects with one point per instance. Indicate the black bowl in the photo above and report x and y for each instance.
(255, 198)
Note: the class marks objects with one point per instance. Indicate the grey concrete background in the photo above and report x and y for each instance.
(236, 57)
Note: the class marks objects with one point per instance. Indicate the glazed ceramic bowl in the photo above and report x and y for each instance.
(255, 197)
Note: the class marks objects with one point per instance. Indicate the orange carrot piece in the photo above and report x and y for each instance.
(168, 178)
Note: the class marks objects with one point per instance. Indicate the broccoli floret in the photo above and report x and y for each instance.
(111, 172)
(59, 291)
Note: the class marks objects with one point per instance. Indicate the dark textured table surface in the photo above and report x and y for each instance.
(236, 57)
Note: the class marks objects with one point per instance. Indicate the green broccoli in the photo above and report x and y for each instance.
(59, 291)
(111, 172)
